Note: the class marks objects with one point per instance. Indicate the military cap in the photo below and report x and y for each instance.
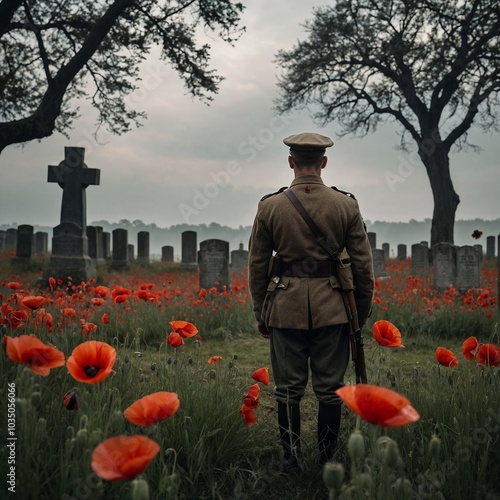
(308, 141)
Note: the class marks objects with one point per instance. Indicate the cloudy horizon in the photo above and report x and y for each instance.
(196, 164)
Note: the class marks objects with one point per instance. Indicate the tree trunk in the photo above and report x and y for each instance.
(437, 164)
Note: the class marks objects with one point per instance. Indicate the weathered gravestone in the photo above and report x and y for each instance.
(189, 258)
(445, 265)
(468, 268)
(167, 253)
(94, 235)
(41, 243)
(402, 253)
(378, 262)
(130, 252)
(479, 251)
(490, 247)
(25, 244)
(387, 250)
(106, 245)
(11, 240)
(372, 238)
(143, 247)
(419, 259)
(239, 259)
(213, 259)
(2, 240)
(70, 252)
(119, 260)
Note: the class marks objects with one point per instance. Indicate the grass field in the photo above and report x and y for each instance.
(206, 449)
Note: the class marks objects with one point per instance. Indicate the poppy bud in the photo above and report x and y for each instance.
(42, 426)
(434, 447)
(20, 407)
(388, 452)
(70, 400)
(333, 475)
(84, 420)
(140, 490)
(364, 483)
(356, 446)
(153, 367)
(36, 398)
(169, 361)
(126, 359)
(402, 488)
(81, 437)
(70, 432)
(95, 438)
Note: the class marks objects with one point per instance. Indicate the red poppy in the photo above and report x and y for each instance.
(476, 234)
(45, 317)
(488, 355)
(91, 362)
(120, 299)
(153, 408)
(202, 293)
(12, 318)
(119, 290)
(70, 400)
(378, 405)
(97, 301)
(214, 359)
(386, 334)
(469, 348)
(251, 398)
(261, 375)
(175, 340)
(33, 302)
(52, 284)
(14, 285)
(88, 328)
(248, 415)
(105, 319)
(102, 291)
(123, 457)
(69, 312)
(30, 350)
(446, 358)
(184, 328)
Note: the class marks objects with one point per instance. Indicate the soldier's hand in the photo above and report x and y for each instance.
(264, 332)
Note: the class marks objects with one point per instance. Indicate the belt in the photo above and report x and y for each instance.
(308, 269)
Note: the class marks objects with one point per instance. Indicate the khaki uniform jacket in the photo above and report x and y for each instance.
(299, 302)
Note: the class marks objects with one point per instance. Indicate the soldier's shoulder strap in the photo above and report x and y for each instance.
(344, 192)
(280, 190)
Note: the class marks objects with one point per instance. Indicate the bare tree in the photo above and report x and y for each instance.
(429, 65)
(56, 50)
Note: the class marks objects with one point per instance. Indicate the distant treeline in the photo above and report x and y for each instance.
(393, 233)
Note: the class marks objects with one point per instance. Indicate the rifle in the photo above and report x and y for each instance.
(347, 285)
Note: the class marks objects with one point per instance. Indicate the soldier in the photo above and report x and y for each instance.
(296, 293)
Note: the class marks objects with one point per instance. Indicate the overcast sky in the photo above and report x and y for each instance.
(193, 163)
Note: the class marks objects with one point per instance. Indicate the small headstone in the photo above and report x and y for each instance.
(387, 250)
(468, 268)
(167, 253)
(25, 244)
(143, 247)
(189, 252)
(11, 240)
(372, 238)
(214, 264)
(106, 245)
(378, 262)
(119, 260)
(41, 243)
(94, 235)
(419, 259)
(445, 267)
(70, 252)
(130, 252)
(490, 247)
(2, 240)
(239, 259)
(402, 252)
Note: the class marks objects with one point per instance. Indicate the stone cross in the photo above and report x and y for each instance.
(74, 177)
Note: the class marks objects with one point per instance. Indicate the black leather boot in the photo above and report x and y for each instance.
(329, 416)
(289, 427)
